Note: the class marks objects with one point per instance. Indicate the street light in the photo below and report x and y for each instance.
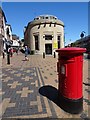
(82, 34)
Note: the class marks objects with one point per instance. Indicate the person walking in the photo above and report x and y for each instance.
(17, 50)
(11, 51)
(26, 53)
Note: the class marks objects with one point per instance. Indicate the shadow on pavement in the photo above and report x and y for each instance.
(23, 60)
(88, 78)
(87, 84)
(50, 92)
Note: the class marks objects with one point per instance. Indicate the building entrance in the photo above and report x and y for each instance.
(48, 48)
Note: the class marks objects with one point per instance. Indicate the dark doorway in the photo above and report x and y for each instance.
(36, 42)
(48, 48)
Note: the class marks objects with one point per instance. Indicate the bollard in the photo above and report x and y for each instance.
(43, 54)
(54, 55)
(88, 56)
(3, 55)
(8, 58)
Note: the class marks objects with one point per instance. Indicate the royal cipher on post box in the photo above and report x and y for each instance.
(70, 76)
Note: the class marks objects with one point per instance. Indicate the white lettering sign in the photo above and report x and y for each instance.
(63, 70)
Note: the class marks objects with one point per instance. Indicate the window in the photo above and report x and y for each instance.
(37, 18)
(51, 17)
(48, 37)
(42, 17)
(36, 42)
(46, 17)
(58, 38)
(7, 31)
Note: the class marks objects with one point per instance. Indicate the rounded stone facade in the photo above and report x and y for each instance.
(44, 34)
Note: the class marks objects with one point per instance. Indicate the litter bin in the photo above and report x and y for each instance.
(70, 68)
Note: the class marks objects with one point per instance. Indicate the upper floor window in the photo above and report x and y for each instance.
(37, 18)
(58, 38)
(46, 17)
(48, 37)
(7, 31)
(42, 17)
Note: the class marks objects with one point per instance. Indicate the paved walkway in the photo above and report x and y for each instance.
(29, 88)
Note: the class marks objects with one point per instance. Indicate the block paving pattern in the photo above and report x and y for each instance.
(29, 89)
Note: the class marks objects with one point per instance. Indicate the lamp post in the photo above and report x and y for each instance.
(82, 36)
(8, 54)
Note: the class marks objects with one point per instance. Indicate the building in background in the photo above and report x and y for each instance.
(8, 36)
(15, 40)
(83, 42)
(7, 39)
(2, 29)
(44, 34)
(8, 32)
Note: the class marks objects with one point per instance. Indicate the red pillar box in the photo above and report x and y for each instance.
(70, 68)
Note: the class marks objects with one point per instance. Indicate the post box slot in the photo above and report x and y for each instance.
(63, 58)
(67, 59)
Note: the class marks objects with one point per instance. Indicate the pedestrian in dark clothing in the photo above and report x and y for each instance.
(17, 51)
(26, 53)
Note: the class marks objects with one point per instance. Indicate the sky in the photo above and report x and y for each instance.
(73, 14)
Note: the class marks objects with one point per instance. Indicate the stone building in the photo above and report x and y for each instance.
(44, 34)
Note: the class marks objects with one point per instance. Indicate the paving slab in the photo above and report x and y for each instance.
(30, 88)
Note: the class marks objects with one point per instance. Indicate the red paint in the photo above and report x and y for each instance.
(70, 72)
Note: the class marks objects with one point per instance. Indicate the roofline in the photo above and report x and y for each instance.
(31, 24)
(3, 14)
(9, 25)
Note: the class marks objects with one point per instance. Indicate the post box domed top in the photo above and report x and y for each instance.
(71, 50)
